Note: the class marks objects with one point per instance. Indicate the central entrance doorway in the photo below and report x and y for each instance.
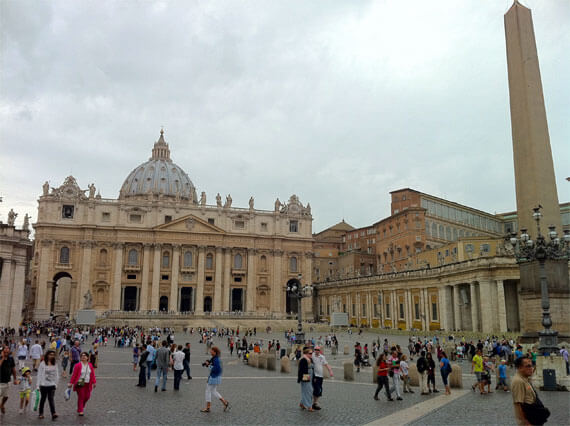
(130, 298)
(237, 299)
(207, 304)
(186, 299)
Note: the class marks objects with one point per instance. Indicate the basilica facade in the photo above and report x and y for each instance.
(161, 247)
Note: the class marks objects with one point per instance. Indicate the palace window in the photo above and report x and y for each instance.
(103, 257)
(364, 309)
(388, 310)
(188, 259)
(239, 224)
(293, 264)
(211, 220)
(64, 255)
(135, 218)
(209, 261)
(165, 259)
(167, 219)
(294, 226)
(106, 217)
(263, 264)
(264, 226)
(67, 212)
(434, 311)
(401, 311)
(417, 311)
(133, 258)
(485, 248)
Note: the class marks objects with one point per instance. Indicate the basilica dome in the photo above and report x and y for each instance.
(159, 177)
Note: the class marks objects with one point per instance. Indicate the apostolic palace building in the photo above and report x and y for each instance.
(161, 247)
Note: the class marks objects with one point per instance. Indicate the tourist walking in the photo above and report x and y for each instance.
(75, 355)
(477, 368)
(7, 369)
(136, 354)
(319, 361)
(22, 354)
(422, 366)
(431, 373)
(394, 361)
(142, 369)
(214, 379)
(382, 368)
(186, 362)
(48, 378)
(445, 370)
(529, 409)
(25, 388)
(404, 370)
(162, 361)
(36, 353)
(83, 381)
(304, 377)
(178, 366)
(150, 360)
(502, 373)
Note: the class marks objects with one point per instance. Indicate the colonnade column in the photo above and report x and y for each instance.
(5, 292)
(395, 314)
(442, 308)
(199, 308)
(250, 303)
(117, 275)
(407, 307)
(486, 308)
(85, 276)
(227, 278)
(277, 287)
(457, 308)
(144, 279)
(218, 281)
(474, 306)
(501, 307)
(155, 278)
(15, 311)
(174, 292)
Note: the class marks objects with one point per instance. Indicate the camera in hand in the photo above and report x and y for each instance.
(205, 364)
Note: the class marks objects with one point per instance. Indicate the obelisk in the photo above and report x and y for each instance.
(534, 170)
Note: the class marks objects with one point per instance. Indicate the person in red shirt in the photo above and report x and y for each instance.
(383, 367)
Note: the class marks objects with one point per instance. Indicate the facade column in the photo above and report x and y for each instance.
(395, 314)
(144, 280)
(17, 294)
(5, 291)
(457, 308)
(227, 279)
(427, 303)
(277, 287)
(155, 289)
(199, 309)
(218, 281)
(250, 296)
(369, 309)
(501, 307)
(407, 296)
(117, 277)
(173, 299)
(474, 306)
(85, 274)
(41, 285)
(486, 308)
(443, 322)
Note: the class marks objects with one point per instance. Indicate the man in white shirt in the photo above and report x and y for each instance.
(36, 353)
(319, 361)
(178, 365)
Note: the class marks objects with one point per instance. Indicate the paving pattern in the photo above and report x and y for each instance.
(264, 397)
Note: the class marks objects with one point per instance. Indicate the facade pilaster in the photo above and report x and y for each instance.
(200, 280)
(41, 290)
(17, 304)
(117, 277)
(227, 279)
(85, 274)
(218, 281)
(250, 295)
(278, 283)
(174, 292)
(144, 280)
(155, 289)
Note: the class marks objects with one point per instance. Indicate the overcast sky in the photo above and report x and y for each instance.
(339, 102)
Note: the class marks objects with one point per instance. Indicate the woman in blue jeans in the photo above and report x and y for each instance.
(445, 369)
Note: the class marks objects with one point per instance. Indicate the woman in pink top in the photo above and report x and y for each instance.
(83, 381)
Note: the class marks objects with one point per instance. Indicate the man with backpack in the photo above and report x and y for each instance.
(422, 366)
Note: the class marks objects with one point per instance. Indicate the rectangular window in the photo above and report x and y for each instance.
(417, 311)
(485, 248)
(209, 278)
(294, 226)
(364, 309)
(67, 212)
(434, 311)
(402, 316)
(211, 221)
(388, 310)
(344, 308)
(164, 277)
(167, 219)
(237, 279)
(353, 309)
(264, 226)
(239, 224)
(135, 218)
(106, 217)
(131, 276)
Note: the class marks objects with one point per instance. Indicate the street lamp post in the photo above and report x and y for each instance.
(527, 250)
(297, 290)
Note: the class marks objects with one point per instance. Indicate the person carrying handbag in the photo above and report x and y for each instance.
(83, 381)
(304, 377)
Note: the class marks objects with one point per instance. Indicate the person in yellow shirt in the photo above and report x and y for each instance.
(477, 368)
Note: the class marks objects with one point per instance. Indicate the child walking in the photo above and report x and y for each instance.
(25, 388)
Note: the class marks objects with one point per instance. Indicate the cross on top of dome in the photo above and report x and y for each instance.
(160, 151)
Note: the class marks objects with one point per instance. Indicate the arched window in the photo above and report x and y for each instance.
(209, 261)
(165, 259)
(293, 264)
(238, 261)
(263, 264)
(188, 259)
(64, 255)
(103, 257)
(133, 257)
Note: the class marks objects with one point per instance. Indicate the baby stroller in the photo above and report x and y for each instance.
(365, 361)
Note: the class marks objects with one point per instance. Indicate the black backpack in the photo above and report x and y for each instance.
(422, 365)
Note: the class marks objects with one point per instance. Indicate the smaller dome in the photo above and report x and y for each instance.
(160, 177)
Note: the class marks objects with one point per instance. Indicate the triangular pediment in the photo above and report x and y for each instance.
(190, 224)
